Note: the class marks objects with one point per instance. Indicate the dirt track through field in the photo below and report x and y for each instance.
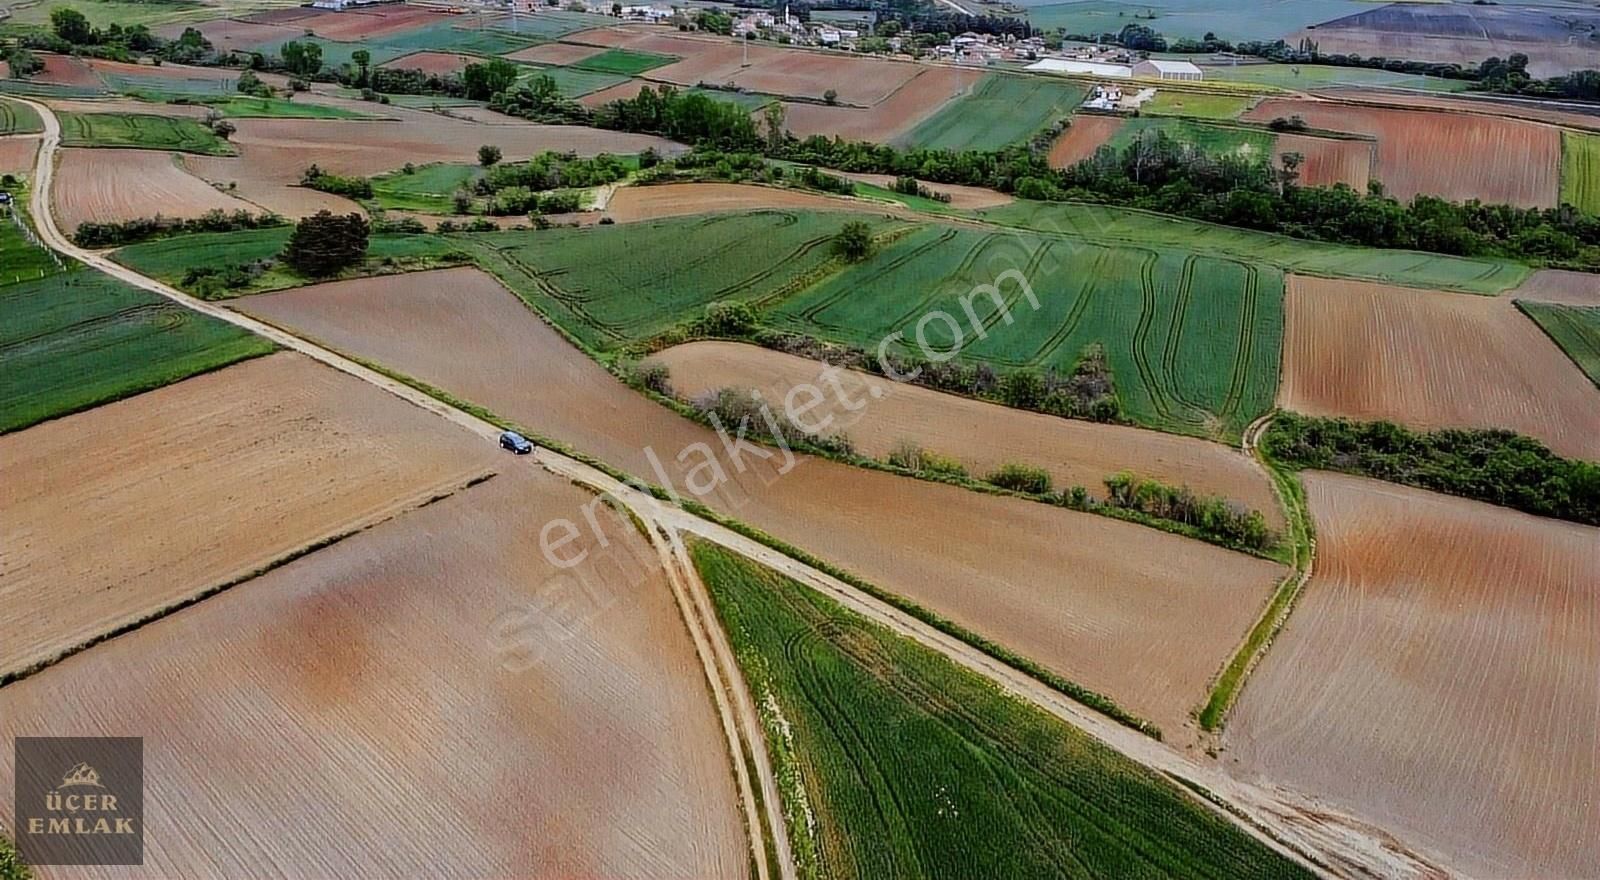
(983, 436)
(201, 482)
(1144, 616)
(1441, 676)
(1431, 360)
(430, 692)
(107, 185)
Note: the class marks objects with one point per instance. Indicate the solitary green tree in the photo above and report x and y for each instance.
(362, 60)
(488, 79)
(488, 155)
(853, 241)
(302, 59)
(323, 243)
(71, 25)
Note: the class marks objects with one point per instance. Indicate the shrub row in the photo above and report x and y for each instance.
(115, 234)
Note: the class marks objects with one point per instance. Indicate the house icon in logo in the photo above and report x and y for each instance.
(82, 774)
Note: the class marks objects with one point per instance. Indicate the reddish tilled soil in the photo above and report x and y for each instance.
(1431, 360)
(982, 436)
(431, 62)
(355, 25)
(1440, 678)
(1457, 156)
(62, 70)
(1327, 161)
(1472, 103)
(205, 481)
(619, 92)
(1141, 615)
(229, 33)
(1558, 286)
(1087, 133)
(859, 79)
(105, 185)
(17, 153)
(430, 692)
(633, 203)
(897, 114)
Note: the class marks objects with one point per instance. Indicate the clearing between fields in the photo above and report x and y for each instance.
(431, 691)
(1432, 360)
(982, 436)
(1135, 613)
(1440, 678)
(202, 482)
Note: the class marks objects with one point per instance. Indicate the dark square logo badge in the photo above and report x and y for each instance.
(80, 800)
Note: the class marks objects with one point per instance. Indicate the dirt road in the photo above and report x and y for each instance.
(1333, 845)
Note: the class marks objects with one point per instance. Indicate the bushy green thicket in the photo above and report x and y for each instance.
(1229, 523)
(1499, 467)
(1021, 478)
(115, 234)
(349, 187)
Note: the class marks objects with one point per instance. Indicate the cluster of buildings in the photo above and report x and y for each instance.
(1117, 64)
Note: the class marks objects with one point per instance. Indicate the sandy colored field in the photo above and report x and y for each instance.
(104, 185)
(633, 203)
(1087, 133)
(355, 25)
(164, 71)
(1545, 59)
(66, 71)
(274, 153)
(202, 482)
(704, 59)
(354, 713)
(1560, 286)
(125, 105)
(16, 153)
(618, 92)
(1441, 677)
(1474, 103)
(430, 62)
(1328, 161)
(859, 79)
(897, 114)
(555, 53)
(231, 33)
(981, 435)
(1139, 614)
(1456, 156)
(1431, 360)
(965, 197)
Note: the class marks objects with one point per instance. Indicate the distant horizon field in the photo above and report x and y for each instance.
(1235, 20)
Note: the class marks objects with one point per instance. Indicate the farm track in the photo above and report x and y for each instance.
(1333, 845)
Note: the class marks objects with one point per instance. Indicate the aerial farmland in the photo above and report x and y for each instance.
(917, 439)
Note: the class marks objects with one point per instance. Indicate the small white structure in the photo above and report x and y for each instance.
(1156, 69)
(1086, 68)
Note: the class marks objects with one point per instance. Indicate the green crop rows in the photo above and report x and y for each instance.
(1576, 329)
(73, 339)
(624, 61)
(1192, 340)
(430, 189)
(573, 82)
(1001, 110)
(895, 762)
(1580, 171)
(18, 118)
(140, 130)
(1119, 225)
(1204, 105)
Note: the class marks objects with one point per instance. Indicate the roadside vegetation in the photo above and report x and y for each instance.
(1498, 467)
(1575, 329)
(896, 762)
(11, 865)
(118, 233)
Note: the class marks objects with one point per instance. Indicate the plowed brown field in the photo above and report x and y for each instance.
(632, 203)
(1559, 286)
(66, 71)
(980, 435)
(1328, 161)
(1144, 616)
(353, 713)
(619, 92)
(897, 114)
(1431, 360)
(274, 153)
(201, 482)
(105, 185)
(125, 105)
(1473, 103)
(358, 24)
(232, 33)
(1087, 133)
(859, 79)
(430, 62)
(1440, 677)
(1457, 156)
(16, 153)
